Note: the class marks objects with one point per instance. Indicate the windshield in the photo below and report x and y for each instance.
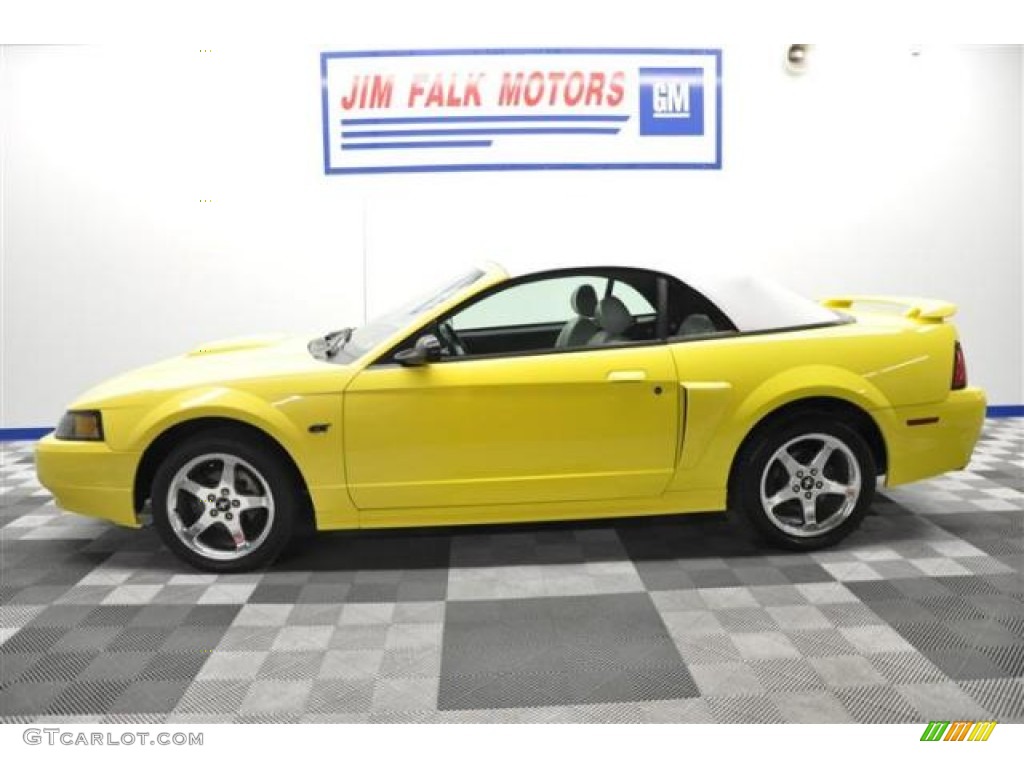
(374, 332)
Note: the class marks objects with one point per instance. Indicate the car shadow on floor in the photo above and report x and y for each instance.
(521, 544)
(699, 536)
(695, 539)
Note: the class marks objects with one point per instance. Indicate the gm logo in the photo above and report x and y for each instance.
(671, 101)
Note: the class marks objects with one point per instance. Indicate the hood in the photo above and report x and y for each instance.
(227, 362)
(237, 344)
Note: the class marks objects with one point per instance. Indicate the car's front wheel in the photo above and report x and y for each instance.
(224, 503)
(805, 484)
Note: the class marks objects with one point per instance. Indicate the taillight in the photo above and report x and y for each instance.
(959, 367)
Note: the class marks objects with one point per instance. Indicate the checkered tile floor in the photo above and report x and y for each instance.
(918, 616)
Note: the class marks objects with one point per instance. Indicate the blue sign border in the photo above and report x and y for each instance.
(444, 168)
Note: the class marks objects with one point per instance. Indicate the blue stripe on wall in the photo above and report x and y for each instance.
(999, 411)
(24, 433)
(34, 433)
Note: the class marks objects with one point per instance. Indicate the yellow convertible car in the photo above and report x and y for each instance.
(567, 394)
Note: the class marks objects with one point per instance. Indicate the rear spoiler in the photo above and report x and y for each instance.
(926, 310)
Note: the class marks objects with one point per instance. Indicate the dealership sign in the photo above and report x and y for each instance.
(521, 109)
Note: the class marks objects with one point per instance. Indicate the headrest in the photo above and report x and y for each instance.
(584, 300)
(613, 316)
(695, 325)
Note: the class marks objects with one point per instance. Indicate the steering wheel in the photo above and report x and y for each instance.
(451, 339)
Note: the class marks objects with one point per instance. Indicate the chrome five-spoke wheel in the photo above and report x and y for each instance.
(220, 506)
(810, 485)
(224, 500)
(805, 482)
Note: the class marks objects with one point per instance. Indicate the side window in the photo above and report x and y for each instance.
(536, 303)
(632, 298)
(693, 314)
(537, 316)
(557, 313)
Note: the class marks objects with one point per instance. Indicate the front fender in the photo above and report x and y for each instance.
(208, 402)
(318, 454)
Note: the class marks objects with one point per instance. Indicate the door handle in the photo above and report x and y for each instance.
(621, 377)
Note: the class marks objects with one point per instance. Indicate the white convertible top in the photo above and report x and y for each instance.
(756, 303)
(752, 301)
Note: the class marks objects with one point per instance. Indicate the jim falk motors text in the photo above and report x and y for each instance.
(569, 88)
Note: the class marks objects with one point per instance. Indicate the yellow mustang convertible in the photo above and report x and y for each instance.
(568, 394)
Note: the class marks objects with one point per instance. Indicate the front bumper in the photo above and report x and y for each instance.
(89, 478)
(926, 440)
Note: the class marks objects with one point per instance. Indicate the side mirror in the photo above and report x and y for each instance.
(427, 349)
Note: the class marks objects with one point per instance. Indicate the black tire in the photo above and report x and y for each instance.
(785, 523)
(270, 476)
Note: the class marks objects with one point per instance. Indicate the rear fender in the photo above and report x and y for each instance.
(707, 462)
(806, 382)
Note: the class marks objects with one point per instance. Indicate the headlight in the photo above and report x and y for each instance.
(80, 425)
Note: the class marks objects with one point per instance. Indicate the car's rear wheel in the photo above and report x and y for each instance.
(224, 503)
(805, 484)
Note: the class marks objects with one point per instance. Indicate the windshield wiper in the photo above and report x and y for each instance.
(336, 340)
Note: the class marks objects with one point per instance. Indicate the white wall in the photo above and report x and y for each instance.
(877, 171)
(110, 257)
